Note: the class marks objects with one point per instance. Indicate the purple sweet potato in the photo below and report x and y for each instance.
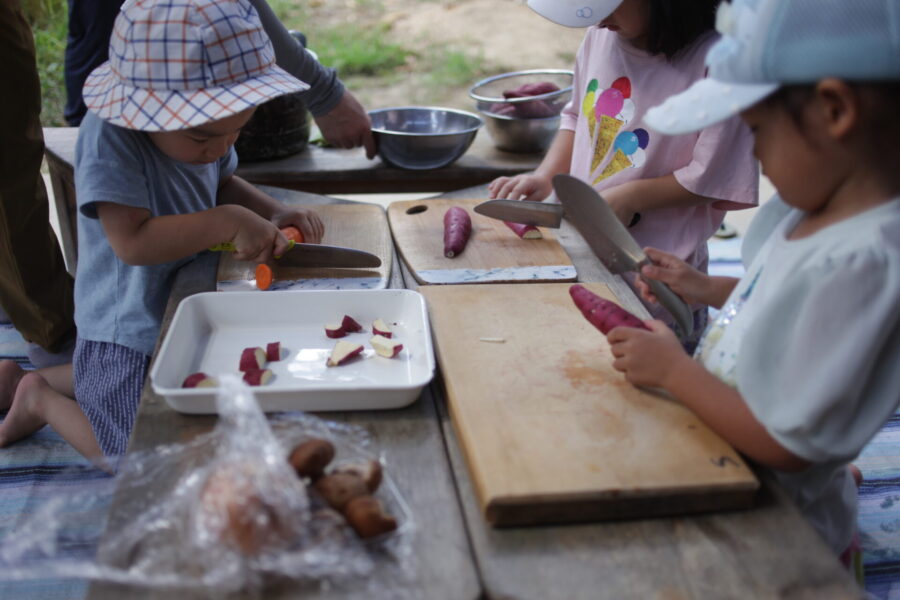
(538, 109)
(526, 232)
(503, 109)
(457, 229)
(601, 313)
(531, 89)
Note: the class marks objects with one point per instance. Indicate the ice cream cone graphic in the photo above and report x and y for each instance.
(587, 107)
(619, 161)
(609, 127)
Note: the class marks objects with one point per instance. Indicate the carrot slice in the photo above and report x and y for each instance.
(292, 233)
(263, 276)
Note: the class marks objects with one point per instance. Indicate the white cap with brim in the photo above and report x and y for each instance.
(769, 43)
(574, 13)
(705, 103)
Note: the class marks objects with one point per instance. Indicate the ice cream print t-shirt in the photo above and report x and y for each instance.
(615, 84)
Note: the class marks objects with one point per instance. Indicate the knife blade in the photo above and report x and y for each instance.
(320, 255)
(540, 214)
(610, 241)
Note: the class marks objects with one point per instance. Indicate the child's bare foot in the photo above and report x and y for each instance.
(10, 374)
(856, 473)
(22, 419)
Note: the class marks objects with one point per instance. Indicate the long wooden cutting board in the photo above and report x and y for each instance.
(359, 226)
(551, 432)
(493, 254)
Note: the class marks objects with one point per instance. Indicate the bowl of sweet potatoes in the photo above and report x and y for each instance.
(521, 108)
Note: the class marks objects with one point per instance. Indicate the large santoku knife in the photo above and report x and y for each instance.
(609, 239)
(538, 214)
(320, 256)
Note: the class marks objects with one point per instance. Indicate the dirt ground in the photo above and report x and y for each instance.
(505, 35)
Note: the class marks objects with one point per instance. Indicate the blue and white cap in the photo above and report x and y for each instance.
(769, 43)
(574, 13)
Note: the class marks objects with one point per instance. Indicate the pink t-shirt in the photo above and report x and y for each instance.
(615, 84)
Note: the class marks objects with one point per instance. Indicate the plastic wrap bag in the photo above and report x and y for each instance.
(225, 511)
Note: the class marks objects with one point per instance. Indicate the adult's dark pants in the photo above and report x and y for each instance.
(35, 289)
(90, 26)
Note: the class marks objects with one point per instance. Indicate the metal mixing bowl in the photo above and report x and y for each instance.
(511, 131)
(423, 137)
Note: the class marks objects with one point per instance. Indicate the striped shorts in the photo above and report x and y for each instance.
(108, 383)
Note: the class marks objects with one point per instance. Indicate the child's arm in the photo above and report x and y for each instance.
(642, 195)
(656, 359)
(138, 238)
(237, 191)
(692, 285)
(536, 186)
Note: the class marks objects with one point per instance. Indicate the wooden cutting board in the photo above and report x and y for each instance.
(359, 226)
(493, 254)
(551, 432)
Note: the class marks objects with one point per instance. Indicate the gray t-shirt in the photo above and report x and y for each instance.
(325, 89)
(810, 337)
(116, 302)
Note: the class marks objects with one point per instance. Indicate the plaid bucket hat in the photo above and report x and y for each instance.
(175, 64)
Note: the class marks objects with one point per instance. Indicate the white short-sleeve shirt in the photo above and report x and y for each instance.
(810, 337)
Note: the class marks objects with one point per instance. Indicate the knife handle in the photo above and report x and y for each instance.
(672, 302)
(229, 247)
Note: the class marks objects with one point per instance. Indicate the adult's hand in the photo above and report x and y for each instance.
(347, 125)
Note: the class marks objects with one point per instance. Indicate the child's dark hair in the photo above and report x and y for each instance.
(675, 24)
(881, 101)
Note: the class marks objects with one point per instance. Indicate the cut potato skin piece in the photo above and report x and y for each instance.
(273, 351)
(334, 330)
(253, 358)
(385, 346)
(526, 232)
(350, 325)
(258, 376)
(379, 327)
(342, 352)
(198, 380)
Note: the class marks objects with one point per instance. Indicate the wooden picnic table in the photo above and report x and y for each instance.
(768, 551)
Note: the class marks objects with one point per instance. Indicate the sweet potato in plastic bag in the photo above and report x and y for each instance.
(223, 512)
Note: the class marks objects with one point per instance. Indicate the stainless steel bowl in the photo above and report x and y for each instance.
(508, 128)
(423, 137)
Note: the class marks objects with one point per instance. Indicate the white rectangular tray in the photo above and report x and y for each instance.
(209, 331)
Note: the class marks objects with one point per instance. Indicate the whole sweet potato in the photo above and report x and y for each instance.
(457, 229)
(311, 457)
(601, 313)
(531, 89)
(536, 109)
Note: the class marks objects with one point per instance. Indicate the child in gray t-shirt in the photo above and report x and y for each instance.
(154, 177)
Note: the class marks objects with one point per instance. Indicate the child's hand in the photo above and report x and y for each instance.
(646, 357)
(257, 239)
(527, 186)
(304, 219)
(683, 279)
